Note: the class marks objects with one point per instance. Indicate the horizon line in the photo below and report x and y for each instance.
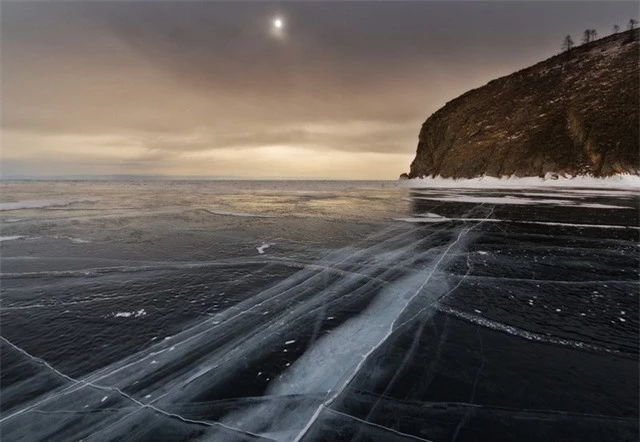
(171, 177)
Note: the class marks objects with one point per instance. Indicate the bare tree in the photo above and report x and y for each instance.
(589, 35)
(632, 23)
(616, 29)
(567, 43)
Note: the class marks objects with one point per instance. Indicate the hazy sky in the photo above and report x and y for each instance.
(210, 89)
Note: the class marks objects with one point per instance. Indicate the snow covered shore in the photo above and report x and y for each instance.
(624, 181)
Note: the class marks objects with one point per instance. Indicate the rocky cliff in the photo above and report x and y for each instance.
(575, 113)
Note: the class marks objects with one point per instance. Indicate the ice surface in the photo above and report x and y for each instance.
(473, 320)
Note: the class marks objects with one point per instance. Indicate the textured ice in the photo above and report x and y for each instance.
(474, 320)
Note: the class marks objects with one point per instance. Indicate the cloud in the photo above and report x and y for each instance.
(150, 84)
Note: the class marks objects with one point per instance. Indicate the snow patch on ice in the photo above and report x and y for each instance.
(423, 220)
(624, 181)
(134, 314)
(512, 200)
(515, 331)
(495, 220)
(430, 215)
(264, 246)
(37, 204)
(240, 214)
(73, 240)
(10, 238)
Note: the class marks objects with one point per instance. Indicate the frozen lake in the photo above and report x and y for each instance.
(314, 311)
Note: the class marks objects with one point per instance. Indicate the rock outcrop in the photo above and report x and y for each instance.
(573, 114)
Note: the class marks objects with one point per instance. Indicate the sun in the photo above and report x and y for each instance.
(277, 28)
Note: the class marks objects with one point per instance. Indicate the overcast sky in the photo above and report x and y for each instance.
(211, 89)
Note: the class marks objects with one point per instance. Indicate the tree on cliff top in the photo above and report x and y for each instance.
(589, 35)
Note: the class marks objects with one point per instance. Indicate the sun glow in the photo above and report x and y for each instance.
(278, 27)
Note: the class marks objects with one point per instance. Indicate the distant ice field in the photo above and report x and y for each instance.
(313, 311)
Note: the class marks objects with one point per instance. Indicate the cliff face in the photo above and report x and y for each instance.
(575, 113)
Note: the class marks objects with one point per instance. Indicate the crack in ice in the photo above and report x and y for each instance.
(382, 427)
(465, 418)
(111, 389)
(101, 374)
(376, 346)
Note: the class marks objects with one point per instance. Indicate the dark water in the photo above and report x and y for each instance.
(316, 311)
